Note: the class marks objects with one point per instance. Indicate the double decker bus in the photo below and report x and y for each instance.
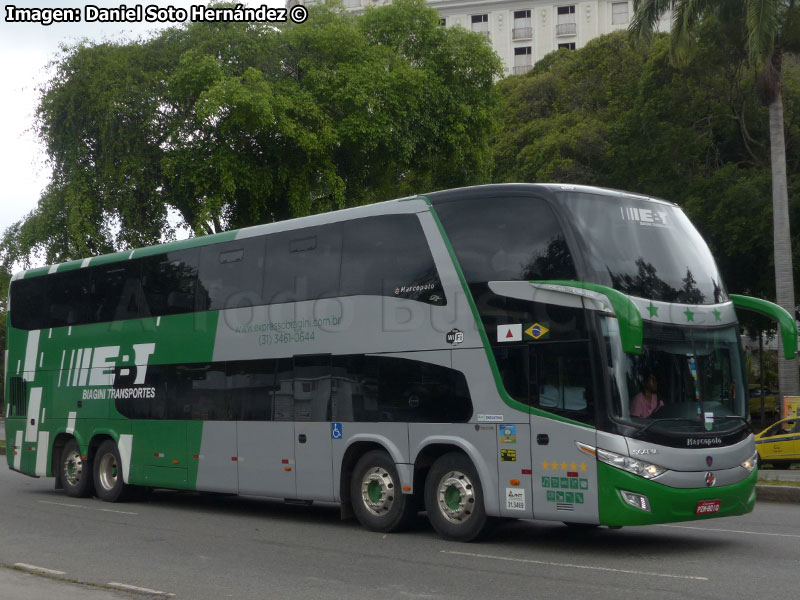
(549, 352)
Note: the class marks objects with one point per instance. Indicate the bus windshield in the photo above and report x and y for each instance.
(685, 380)
(643, 248)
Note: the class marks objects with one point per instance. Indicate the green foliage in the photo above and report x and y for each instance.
(621, 115)
(233, 124)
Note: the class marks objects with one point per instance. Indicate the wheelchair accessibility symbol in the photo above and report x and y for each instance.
(336, 431)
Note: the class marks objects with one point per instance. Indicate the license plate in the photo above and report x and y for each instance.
(705, 507)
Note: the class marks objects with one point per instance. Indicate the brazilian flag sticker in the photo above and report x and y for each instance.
(535, 331)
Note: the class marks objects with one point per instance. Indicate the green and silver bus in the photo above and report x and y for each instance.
(549, 352)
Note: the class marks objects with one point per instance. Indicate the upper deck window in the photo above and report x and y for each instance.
(506, 239)
(644, 248)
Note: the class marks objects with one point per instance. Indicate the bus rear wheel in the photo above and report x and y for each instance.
(108, 474)
(76, 471)
(378, 502)
(454, 499)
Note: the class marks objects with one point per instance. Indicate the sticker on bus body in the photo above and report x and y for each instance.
(515, 499)
(491, 418)
(509, 333)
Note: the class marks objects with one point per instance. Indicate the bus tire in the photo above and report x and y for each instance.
(378, 501)
(76, 471)
(108, 474)
(454, 499)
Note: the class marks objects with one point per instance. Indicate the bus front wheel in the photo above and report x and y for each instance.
(108, 474)
(76, 471)
(454, 499)
(378, 502)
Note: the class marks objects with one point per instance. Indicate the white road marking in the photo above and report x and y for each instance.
(35, 569)
(574, 566)
(136, 588)
(789, 535)
(119, 512)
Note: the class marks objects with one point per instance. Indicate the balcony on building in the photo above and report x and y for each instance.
(521, 33)
(566, 29)
(523, 27)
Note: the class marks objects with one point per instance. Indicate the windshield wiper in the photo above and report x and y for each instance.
(656, 421)
(744, 421)
(687, 420)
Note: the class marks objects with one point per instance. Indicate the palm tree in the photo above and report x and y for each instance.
(772, 28)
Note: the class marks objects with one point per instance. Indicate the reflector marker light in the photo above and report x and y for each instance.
(586, 448)
(513, 481)
(527, 471)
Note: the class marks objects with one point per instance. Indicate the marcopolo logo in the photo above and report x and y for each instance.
(410, 289)
(703, 442)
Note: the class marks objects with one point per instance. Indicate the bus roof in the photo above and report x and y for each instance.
(389, 206)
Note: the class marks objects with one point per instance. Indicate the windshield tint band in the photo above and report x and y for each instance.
(642, 247)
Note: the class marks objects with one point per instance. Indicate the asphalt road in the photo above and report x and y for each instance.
(202, 547)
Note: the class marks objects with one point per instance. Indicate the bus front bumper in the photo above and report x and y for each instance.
(663, 504)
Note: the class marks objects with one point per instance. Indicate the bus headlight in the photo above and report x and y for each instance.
(631, 465)
(751, 463)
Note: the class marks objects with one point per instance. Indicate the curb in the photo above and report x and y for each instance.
(777, 493)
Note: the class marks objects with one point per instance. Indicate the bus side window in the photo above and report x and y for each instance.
(303, 264)
(112, 293)
(389, 256)
(169, 281)
(565, 382)
(251, 387)
(28, 302)
(231, 274)
(312, 388)
(67, 296)
(513, 364)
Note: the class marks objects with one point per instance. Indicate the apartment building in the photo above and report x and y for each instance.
(523, 31)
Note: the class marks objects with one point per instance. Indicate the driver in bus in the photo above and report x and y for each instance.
(646, 402)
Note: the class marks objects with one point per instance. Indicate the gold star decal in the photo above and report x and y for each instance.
(564, 466)
(583, 466)
(573, 466)
(545, 465)
(555, 466)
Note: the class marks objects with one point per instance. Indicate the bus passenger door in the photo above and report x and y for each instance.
(564, 478)
(564, 475)
(312, 427)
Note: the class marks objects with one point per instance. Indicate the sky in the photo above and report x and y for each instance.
(26, 49)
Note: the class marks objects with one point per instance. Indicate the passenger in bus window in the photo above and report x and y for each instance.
(646, 402)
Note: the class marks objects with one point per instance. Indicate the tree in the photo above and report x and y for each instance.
(231, 124)
(769, 29)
